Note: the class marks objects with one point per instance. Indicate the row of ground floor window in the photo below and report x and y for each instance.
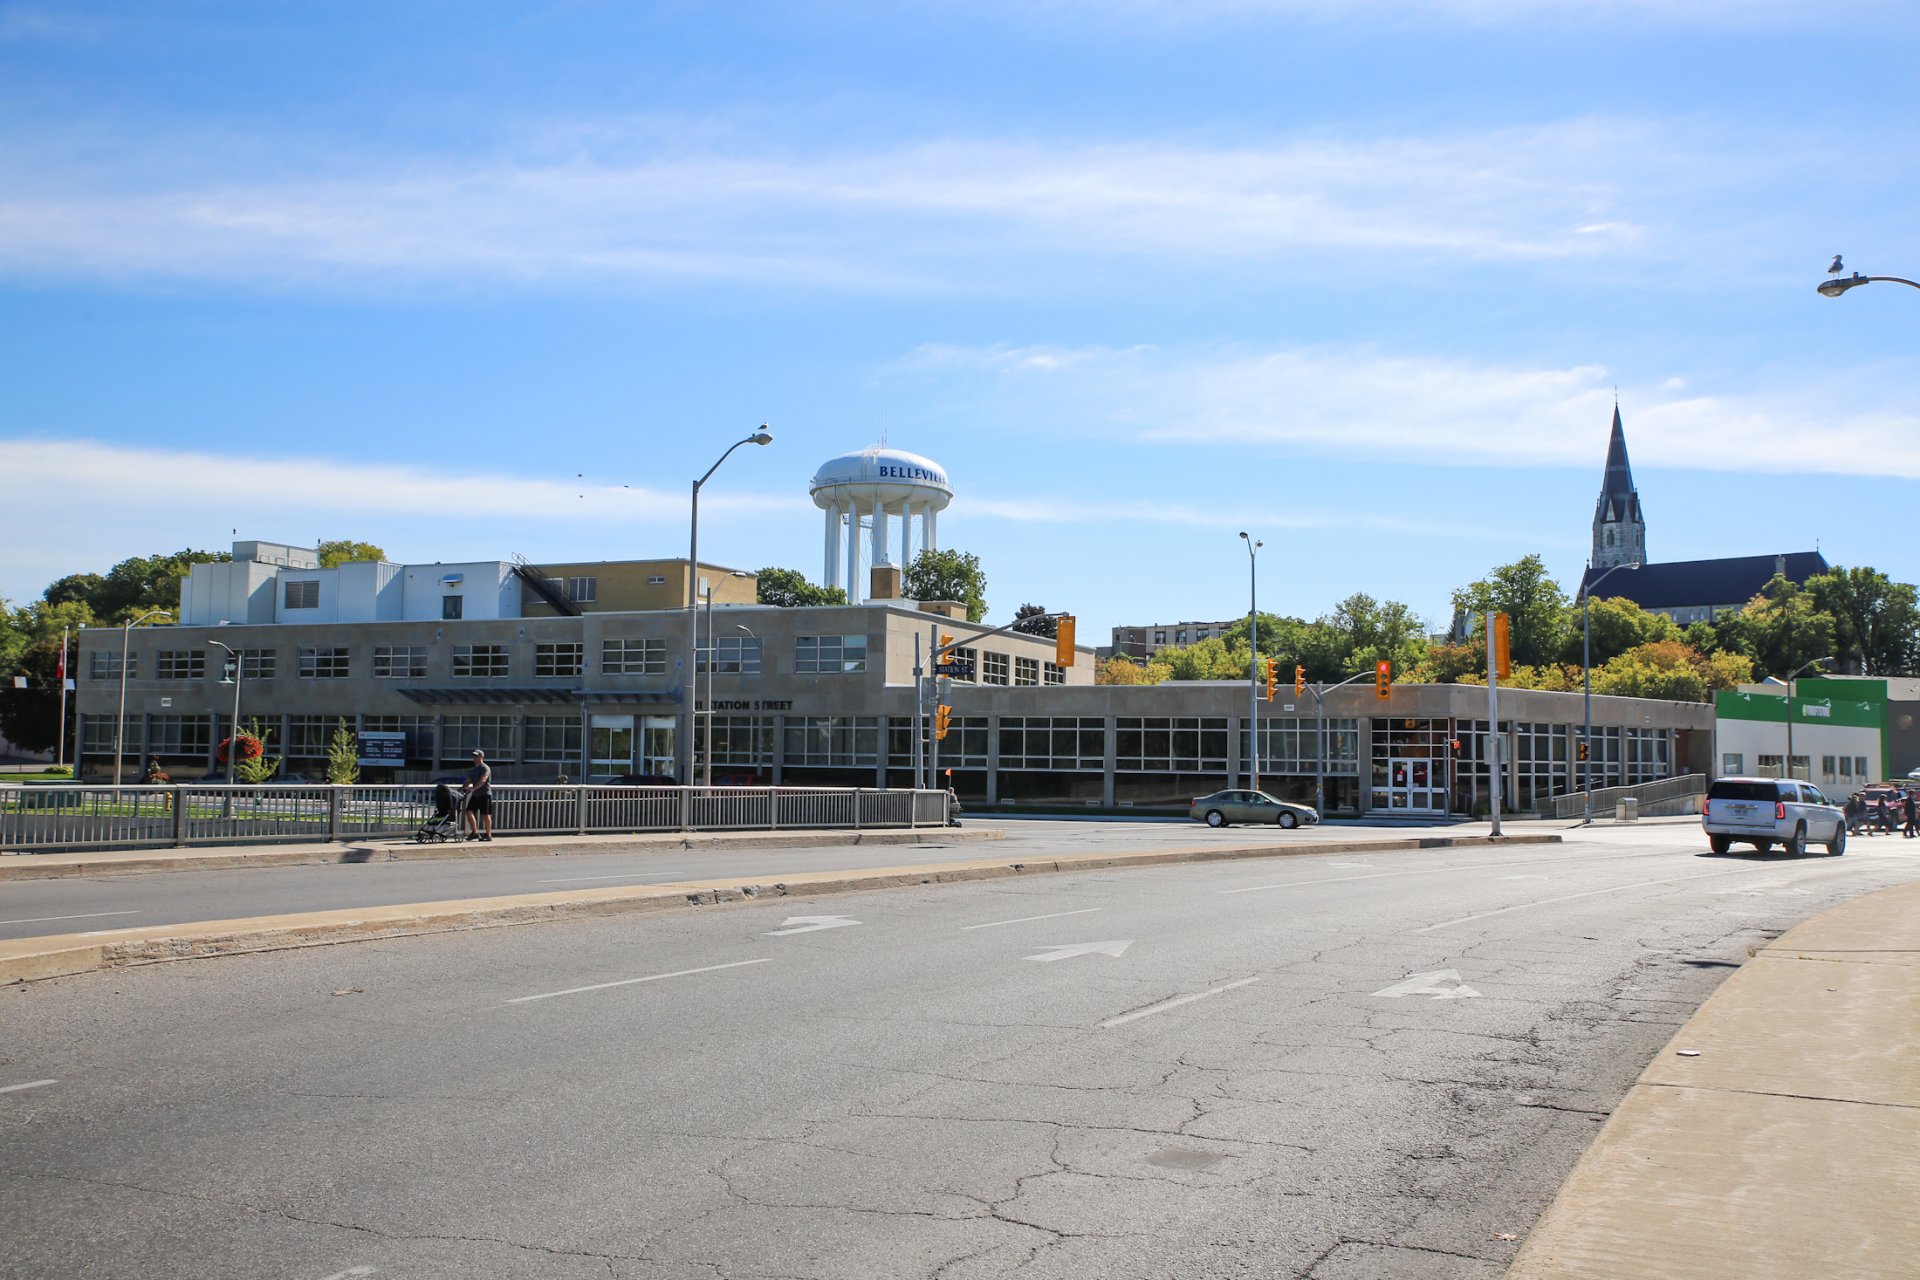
(1413, 765)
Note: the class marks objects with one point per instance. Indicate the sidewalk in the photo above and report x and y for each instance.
(1777, 1137)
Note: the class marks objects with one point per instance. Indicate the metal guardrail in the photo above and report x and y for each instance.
(1573, 804)
(61, 817)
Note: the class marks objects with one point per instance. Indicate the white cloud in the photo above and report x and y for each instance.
(101, 502)
(1362, 404)
(907, 217)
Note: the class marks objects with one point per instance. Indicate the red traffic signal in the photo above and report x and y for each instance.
(1382, 679)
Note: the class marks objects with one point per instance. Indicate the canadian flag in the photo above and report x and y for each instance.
(60, 670)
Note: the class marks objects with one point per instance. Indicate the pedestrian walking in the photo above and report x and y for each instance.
(1883, 814)
(479, 791)
(1911, 829)
(1855, 808)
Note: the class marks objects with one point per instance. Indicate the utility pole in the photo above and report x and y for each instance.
(1495, 743)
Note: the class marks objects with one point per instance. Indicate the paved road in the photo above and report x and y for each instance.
(37, 908)
(1329, 1068)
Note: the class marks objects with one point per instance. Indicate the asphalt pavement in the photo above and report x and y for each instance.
(1347, 1065)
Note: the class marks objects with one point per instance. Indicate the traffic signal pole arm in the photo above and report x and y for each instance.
(941, 651)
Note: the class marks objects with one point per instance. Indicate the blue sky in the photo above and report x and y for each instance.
(469, 280)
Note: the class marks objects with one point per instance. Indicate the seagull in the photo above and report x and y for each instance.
(1834, 268)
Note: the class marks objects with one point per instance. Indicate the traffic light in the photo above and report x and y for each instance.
(1502, 646)
(1063, 641)
(1273, 677)
(942, 718)
(1583, 751)
(946, 642)
(1382, 679)
(1299, 680)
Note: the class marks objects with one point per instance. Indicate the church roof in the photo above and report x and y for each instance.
(1683, 584)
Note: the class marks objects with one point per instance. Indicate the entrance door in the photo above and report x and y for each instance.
(612, 747)
(657, 738)
(1415, 785)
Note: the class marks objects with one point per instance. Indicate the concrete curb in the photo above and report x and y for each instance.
(32, 959)
(1777, 1136)
(51, 866)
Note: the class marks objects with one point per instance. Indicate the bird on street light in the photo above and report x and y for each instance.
(1834, 268)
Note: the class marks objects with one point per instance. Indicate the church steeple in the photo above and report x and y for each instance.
(1619, 531)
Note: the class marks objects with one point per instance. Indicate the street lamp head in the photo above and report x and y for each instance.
(1835, 287)
(762, 436)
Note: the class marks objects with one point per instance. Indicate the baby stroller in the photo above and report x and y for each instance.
(444, 825)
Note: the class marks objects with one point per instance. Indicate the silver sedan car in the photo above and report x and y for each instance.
(1224, 807)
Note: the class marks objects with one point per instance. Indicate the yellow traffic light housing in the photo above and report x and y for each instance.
(1502, 646)
(1063, 641)
(1383, 679)
(942, 719)
(1299, 680)
(1273, 677)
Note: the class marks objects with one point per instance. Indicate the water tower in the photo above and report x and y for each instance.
(877, 485)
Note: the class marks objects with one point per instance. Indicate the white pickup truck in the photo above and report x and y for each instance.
(1764, 812)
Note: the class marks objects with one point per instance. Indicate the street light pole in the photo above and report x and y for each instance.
(1791, 677)
(233, 732)
(692, 681)
(1586, 685)
(1253, 671)
(1840, 284)
(120, 720)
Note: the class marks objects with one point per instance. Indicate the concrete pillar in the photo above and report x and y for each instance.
(881, 519)
(853, 553)
(993, 760)
(906, 534)
(776, 771)
(931, 538)
(1106, 768)
(830, 577)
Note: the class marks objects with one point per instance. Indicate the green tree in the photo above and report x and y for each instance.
(1535, 606)
(335, 552)
(948, 575)
(1781, 629)
(1032, 619)
(1618, 625)
(343, 756)
(140, 583)
(1121, 669)
(253, 765)
(1209, 659)
(1876, 622)
(789, 589)
(30, 647)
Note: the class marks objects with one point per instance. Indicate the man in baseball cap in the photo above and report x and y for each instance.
(479, 790)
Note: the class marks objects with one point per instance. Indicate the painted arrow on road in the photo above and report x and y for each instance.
(1435, 984)
(810, 924)
(1113, 947)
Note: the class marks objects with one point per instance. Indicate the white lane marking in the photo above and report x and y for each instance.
(91, 915)
(1349, 864)
(31, 1084)
(1026, 919)
(1526, 877)
(627, 982)
(1115, 947)
(1591, 893)
(1435, 984)
(809, 924)
(582, 879)
(1175, 1003)
(351, 1273)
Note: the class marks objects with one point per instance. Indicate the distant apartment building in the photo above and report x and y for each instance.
(1144, 642)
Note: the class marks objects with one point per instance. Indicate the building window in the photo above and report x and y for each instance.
(1051, 742)
(964, 747)
(479, 661)
(1159, 637)
(565, 658)
(1827, 773)
(452, 607)
(1026, 671)
(1170, 744)
(179, 736)
(645, 657)
(258, 664)
(303, 595)
(323, 664)
(1846, 769)
(466, 734)
(733, 655)
(181, 664)
(419, 731)
(1860, 767)
(1289, 746)
(308, 737)
(105, 665)
(826, 741)
(399, 661)
(824, 655)
(1055, 673)
(1733, 763)
(971, 658)
(743, 740)
(657, 580)
(553, 740)
(96, 734)
(994, 669)
(583, 590)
